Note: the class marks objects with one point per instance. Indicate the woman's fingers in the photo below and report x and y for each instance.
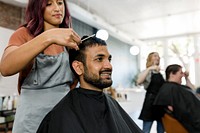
(76, 38)
(73, 45)
(65, 37)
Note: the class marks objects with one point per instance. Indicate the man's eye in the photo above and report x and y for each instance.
(99, 59)
(109, 59)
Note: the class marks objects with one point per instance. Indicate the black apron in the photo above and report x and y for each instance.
(148, 112)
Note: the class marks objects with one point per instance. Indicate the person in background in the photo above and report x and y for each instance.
(38, 52)
(178, 100)
(152, 80)
(87, 109)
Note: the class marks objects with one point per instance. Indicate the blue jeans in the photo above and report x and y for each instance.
(148, 124)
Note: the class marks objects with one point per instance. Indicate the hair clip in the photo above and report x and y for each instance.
(88, 37)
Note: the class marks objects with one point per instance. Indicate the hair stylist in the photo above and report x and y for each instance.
(152, 80)
(37, 51)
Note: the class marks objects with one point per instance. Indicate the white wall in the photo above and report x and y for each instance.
(8, 85)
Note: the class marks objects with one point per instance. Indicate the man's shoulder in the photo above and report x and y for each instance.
(65, 102)
(170, 85)
(112, 102)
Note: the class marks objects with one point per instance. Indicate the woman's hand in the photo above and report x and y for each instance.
(170, 108)
(155, 68)
(64, 37)
(186, 74)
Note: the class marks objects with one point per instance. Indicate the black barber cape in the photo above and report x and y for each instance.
(86, 111)
(186, 105)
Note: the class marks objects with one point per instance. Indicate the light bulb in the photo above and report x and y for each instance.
(102, 34)
(134, 50)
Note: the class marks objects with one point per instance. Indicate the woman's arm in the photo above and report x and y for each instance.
(142, 76)
(16, 58)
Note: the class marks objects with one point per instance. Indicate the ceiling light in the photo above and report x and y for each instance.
(134, 50)
(102, 34)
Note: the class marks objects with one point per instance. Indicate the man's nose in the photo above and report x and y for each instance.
(107, 64)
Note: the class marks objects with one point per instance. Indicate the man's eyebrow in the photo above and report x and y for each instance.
(100, 55)
(103, 55)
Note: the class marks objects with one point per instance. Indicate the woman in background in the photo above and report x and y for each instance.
(178, 102)
(37, 50)
(152, 80)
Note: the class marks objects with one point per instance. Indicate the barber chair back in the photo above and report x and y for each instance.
(171, 125)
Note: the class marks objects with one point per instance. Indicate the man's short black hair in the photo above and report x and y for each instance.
(79, 55)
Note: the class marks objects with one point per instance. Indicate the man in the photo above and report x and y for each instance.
(87, 109)
(179, 100)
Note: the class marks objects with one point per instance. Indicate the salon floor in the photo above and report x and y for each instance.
(133, 105)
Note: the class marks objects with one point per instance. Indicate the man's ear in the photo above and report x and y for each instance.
(78, 67)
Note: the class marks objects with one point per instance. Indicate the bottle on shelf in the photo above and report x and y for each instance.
(10, 103)
(5, 103)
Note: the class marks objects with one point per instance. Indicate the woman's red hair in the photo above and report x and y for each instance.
(34, 16)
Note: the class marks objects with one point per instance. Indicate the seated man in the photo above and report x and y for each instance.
(87, 109)
(179, 99)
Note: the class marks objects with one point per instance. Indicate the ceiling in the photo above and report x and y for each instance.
(134, 21)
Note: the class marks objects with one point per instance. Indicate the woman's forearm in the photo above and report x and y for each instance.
(16, 58)
(142, 76)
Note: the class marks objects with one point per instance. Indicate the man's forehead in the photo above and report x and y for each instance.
(96, 49)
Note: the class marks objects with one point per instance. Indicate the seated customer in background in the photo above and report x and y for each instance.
(87, 109)
(180, 100)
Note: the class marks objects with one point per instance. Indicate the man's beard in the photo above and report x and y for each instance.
(95, 81)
